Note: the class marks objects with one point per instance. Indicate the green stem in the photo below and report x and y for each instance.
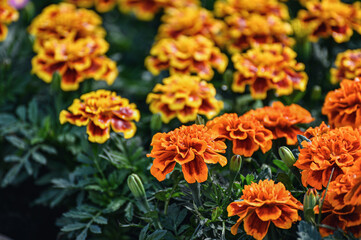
(323, 199)
(196, 194)
(170, 196)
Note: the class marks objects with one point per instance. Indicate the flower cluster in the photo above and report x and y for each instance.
(343, 106)
(268, 67)
(246, 133)
(338, 149)
(251, 23)
(70, 41)
(342, 207)
(262, 203)
(184, 97)
(186, 55)
(146, 9)
(8, 14)
(100, 5)
(191, 22)
(99, 111)
(348, 66)
(192, 147)
(327, 18)
(282, 120)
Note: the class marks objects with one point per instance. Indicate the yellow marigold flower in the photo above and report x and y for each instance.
(65, 21)
(99, 111)
(348, 66)
(246, 32)
(186, 55)
(100, 5)
(8, 14)
(191, 22)
(146, 9)
(334, 18)
(264, 203)
(184, 97)
(75, 61)
(268, 67)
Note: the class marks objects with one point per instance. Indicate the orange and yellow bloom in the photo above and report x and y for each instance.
(183, 97)
(100, 111)
(282, 120)
(100, 5)
(343, 106)
(338, 149)
(8, 14)
(262, 203)
(246, 133)
(186, 55)
(193, 147)
(334, 18)
(268, 67)
(348, 66)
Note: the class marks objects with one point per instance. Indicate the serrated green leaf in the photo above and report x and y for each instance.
(48, 149)
(94, 188)
(82, 235)
(95, 229)
(100, 220)
(16, 142)
(143, 232)
(12, 158)
(77, 214)
(61, 183)
(129, 211)
(21, 113)
(39, 157)
(27, 165)
(11, 174)
(115, 205)
(307, 231)
(281, 165)
(73, 227)
(33, 111)
(157, 235)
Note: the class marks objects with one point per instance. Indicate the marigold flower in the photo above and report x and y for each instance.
(190, 146)
(348, 66)
(184, 97)
(316, 131)
(337, 210)
(8, 14)
(334, 18)
(246, 133)
(282, 120)
(186, 55)
(343, 106)
(191, 22)
(100, 5)
(99, 111)
(269, 66)
(338, 149)
(146, 9)
(75, 61)
(63, 21)
(262, 203)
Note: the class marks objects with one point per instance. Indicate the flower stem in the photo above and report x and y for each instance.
(170, 196)
(196, 194)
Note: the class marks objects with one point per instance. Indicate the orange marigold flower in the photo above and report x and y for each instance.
(270, 66)
(100, 5)
(262, 203)
(190, 146)
(184, 97)
(353, 196)
(99, 111)
(317, 131)
(348, 66)
(190, 22)
(65, 21)
(338, 149)
(343, 106)
(246, 133)
(146, 9)
(8, 14)
(334, 18)
(75, 62)
(337, 210)
(282, 120)
(186, 55)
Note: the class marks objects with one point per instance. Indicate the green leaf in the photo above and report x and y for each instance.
(12, 158)
(39, 158)
(33, 111)
(95, 229)
(307, 231)
(129, 211)
(16, 142)
(82, 235)
(143, 233)
(73, 227)
(78, 214)
(11, 174)
(281, 165)
(21, 112)
(48, 149)
(100, 220)
(115, 205)
(157, 235)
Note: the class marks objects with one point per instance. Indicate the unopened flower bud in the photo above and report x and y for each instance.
(156, 122)
(136, 186)
(287, 156)
(200, 120)
(236, 163)
(309, 202)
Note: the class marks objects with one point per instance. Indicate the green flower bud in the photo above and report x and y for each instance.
(316, 93)
(236, 163)
(309, 202)
(200, 120)
(136, 186)
(287, 156)
(156, 122)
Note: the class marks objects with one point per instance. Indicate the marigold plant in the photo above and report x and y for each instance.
(75, 62)
(99, 111)
(268, 67)
(348, 66)
(338, 149)
(334, 18)
(193, 147)
(282, 120)
(100, 5)
(262, 203)
(186, 55)
(246, 133)
(184, 97)
(343, 105)
(8, 14)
